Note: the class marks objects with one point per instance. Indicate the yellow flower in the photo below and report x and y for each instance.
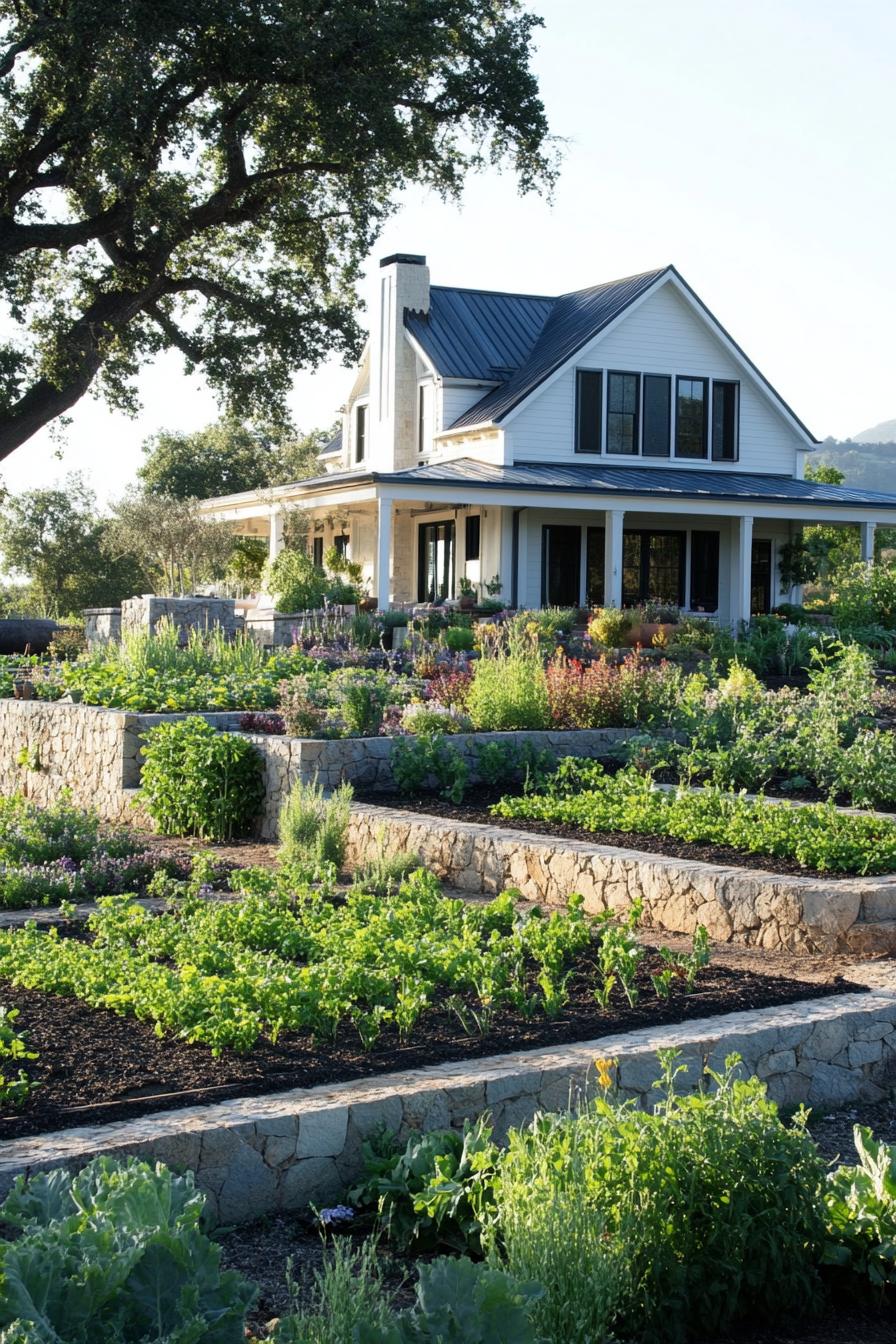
(605, 1069)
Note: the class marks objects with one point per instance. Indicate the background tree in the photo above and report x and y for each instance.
(208, 175)
(171, 538)
(53, 538)
(227, 457)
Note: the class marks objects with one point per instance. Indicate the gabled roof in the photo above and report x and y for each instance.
(479, 334)
(333, 446)
(574, 320)
(654, 482)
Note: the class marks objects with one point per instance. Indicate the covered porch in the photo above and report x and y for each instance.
(710, 543)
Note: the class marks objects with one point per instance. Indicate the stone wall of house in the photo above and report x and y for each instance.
(186, 613)
(259, 1155)
(806, 914)
(366, 762)
(102, 626)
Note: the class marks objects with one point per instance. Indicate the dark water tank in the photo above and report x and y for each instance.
(35, 634)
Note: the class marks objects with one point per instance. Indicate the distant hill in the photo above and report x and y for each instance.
(867, 464)
(883, 433)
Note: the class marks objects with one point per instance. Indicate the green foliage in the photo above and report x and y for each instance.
(610, 627)
(153, 674)
(228, 457)
(54, 537)
(705, 1211)
(865, 595)
(219, 189)
(384, 873)
(419, 762)
(294, 582)
(434, 1193)
(287, 957)
(115, 1252)
(509, 691)
(459, 1302)
(14, 1090)
(171, 539)
(860, 1207)
(816, 836)
(197, 781)
(313, 825)
(348, 1295)
(458, 638)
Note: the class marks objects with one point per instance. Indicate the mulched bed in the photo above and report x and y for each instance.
(95, 1067)
(476, 809)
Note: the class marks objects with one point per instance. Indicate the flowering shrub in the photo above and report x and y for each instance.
(610, 695)
(433, 717)
(253, 722)
(509, 691)
(451, 686)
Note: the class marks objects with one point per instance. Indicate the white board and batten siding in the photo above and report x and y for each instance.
(662, 335)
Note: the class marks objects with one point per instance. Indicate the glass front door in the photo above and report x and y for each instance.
(561, 562)
(435, 571)
(653, 568)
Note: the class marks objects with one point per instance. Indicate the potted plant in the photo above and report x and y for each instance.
(467, 594)
(653, 623)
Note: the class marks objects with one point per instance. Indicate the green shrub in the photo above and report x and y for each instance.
(294, 582)
(14, 1089)
(420, 762)
(865, 595)
(115, 1252)
(458, 638)
(313, 825)
(609, 626)
(509, 691)
(348, 1295)
(197, 781)
(436, 1192)
(709, 1210)
(459, 1302)
(860, 1206)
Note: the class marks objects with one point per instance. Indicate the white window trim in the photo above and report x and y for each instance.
(356, 461)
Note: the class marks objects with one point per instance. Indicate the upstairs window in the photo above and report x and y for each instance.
(589, 395)
(623, 395)
(361, 432)
(725, 418)
(690, 419)
(657, 415)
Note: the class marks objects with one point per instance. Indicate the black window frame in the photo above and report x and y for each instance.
(656, 378)
(361, 426)
(317, 552)
(634, 415)
(342, 542)
(594, 436)
(644, 534)
(691, 378)
(472, 553)
(446, 580)
(735, 420)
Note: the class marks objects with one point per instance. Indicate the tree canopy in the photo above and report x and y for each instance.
(227, 457)
(208, 175)
(54, 538)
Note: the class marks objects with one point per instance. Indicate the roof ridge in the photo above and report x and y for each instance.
(620, 280)
(497, 293)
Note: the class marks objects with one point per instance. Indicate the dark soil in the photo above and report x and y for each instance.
(94, 1066)
(476, 808)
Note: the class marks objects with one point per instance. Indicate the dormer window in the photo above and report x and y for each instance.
(361, 431)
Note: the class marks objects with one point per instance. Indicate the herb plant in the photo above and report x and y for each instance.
(860, 1207)
(197, 781)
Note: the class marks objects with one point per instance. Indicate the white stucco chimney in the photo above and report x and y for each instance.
(402, 283)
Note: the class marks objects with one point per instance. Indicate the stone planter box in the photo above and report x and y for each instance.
(800, 914)
(256, 1155)
(185, 613)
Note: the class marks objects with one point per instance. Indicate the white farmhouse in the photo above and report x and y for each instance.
(602, 447)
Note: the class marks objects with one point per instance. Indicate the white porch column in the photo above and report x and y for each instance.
(613, 557)
(383, 551)
(866, 536)
(275, 536)
(505, 567)
(741, 570)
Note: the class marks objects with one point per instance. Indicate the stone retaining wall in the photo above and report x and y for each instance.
(807, 914)
(257, 1155)
(142, 614)
(102, 626)
(366, 762)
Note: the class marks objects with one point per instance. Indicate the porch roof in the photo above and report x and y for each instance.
(660, 482)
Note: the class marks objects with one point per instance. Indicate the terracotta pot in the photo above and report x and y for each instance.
(466, 602)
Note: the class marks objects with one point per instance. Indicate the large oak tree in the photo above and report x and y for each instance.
(209, 174)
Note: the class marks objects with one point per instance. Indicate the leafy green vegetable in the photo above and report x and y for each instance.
(860, 1203)
(115, 1253)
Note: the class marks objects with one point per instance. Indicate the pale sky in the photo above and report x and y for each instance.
(749, 142)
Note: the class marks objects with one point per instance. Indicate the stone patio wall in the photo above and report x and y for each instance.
(259, 1155)
(142, 614)
(102, 626)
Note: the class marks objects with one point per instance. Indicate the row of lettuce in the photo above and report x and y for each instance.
(602, 1223)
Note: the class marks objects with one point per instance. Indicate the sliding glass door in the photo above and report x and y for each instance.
(435, 569)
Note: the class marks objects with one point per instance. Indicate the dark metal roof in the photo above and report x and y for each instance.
(656, 482)
(478, 334)
(332, 446)
(573, 320)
